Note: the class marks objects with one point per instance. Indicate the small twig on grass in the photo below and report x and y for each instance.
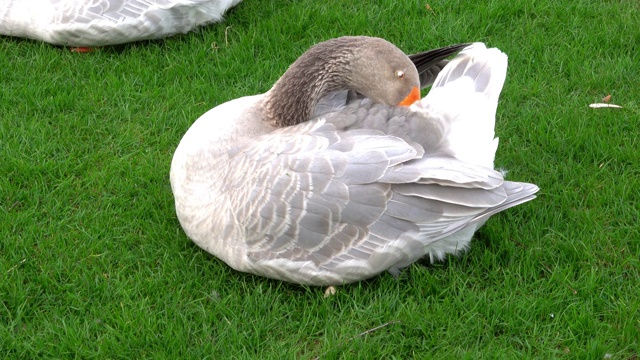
(16, 265)
(215, 46)
(518, 243)
(14, 205)
(547, 268)
(226, 43)
(362, 334)
(374, 329)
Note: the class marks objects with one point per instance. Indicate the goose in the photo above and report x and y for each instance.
(311, 185)
(89, 23)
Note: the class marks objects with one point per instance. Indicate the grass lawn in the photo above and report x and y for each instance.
(93, 262)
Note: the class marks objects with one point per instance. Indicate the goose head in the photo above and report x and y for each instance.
(372, 67)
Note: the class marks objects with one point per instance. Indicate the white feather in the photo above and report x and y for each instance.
(465, 98)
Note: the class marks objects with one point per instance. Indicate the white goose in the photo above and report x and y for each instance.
(106, 22)
(308, 185)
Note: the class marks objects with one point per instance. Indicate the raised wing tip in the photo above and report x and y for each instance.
(479, 47)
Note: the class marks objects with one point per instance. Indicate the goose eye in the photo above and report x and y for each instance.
(399, 74)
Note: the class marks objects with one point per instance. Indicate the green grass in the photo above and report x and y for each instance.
(93, 263)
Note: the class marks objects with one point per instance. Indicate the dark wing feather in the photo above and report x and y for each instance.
(430, 63)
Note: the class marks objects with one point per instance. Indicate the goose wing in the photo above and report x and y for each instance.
(330, 206)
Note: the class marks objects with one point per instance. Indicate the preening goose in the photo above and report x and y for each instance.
(106, 22)
(310, 185)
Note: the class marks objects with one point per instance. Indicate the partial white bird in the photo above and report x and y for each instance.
(313, 186)
(89, 23)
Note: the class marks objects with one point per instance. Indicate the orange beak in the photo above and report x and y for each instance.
(413, 96)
